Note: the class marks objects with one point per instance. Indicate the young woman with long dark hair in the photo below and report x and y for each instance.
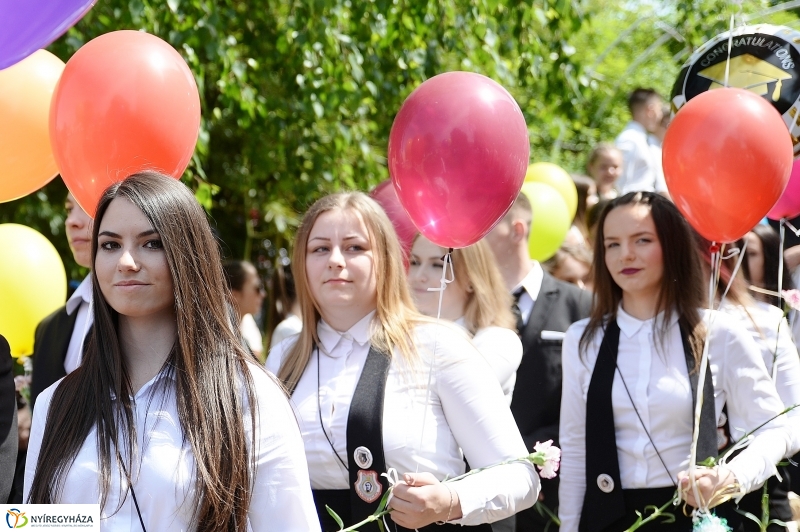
(631, 375)
(377, 385)
(169, 423)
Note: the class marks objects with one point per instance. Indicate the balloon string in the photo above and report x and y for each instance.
(728, 61)
(788, 224)
(780, 262)
(443, 282)
(716, 261)
(732, 253)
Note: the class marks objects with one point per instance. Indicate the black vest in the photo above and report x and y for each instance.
(365, 457)
(604, 502)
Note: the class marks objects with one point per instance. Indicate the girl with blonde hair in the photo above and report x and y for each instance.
(476, 299)
(377, 386)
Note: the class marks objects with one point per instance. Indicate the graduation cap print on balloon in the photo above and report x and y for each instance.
(727, 155)
(764, 59)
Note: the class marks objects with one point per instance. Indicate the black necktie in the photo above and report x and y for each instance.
(516, 311)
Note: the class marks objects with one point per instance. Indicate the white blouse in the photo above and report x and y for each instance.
(502, 350)
(164, 478)
(659, 386)
(772, 334)
(466, 411)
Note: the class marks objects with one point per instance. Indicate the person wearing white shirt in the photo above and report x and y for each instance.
(476, 300)
(248, 294)
(377, 386)
(641, 169)
(546, 307)
(168, 423)
(769, 329)
(60, 337)
(631, 380)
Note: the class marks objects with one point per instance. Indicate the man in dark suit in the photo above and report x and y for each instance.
(59, 340)
(60, 337)
(546, 307)
(8, 421)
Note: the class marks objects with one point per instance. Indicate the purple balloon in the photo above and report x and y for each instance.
(788, 205)
(28, 25)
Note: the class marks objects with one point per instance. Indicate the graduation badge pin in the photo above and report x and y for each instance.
(368, 487)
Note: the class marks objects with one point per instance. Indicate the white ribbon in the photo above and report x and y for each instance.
(443, 282)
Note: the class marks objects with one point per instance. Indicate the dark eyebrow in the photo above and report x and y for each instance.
(140, 235)
(640, 233)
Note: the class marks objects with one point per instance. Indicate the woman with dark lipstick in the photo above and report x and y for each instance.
(631, 380)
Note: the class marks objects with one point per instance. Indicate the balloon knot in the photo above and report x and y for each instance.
(714, 248)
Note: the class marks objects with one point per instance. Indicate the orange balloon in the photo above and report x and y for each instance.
(727, 159)
(126, 102)
(26, 159)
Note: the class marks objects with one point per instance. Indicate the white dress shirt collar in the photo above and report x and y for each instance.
(329, 338)
(631, 326)
(82, 294)
(633, 124)
(532, 282)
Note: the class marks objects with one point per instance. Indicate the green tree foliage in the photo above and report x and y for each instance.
(298, 96)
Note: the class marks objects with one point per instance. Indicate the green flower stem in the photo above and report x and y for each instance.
(536, 458)
(371, 519)
(657, 512)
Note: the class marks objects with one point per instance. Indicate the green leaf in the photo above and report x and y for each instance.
(335, 517)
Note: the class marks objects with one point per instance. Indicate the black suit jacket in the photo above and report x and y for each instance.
(8, 421)
(50, 349)
(536, 402)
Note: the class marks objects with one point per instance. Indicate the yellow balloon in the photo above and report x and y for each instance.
(551, 220)
(32, 282)
(26, 158)
(558, 178)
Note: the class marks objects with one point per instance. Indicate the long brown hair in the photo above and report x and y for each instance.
(207, 362)
(681, 285)
(488, 301)
(395, 313)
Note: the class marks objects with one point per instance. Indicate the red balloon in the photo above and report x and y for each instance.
(788, 205)
(386, 196)
(458, 151)
(726, 161)
(126, 102)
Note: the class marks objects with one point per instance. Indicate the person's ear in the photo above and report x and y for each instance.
(519, 230)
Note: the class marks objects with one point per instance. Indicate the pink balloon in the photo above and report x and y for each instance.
(788, 205)
(386, 196)
(458, 151)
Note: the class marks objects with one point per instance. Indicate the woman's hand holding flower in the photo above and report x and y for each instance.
(420, 499)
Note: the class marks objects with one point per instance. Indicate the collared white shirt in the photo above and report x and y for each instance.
(641, 168)
(659, 386)
(502, 350)
(81, 302)
(771, 332)
(465, 410)
(531, 285)
(164, 474)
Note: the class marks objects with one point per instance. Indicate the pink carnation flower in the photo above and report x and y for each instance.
(547, 458)
(792, 298)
